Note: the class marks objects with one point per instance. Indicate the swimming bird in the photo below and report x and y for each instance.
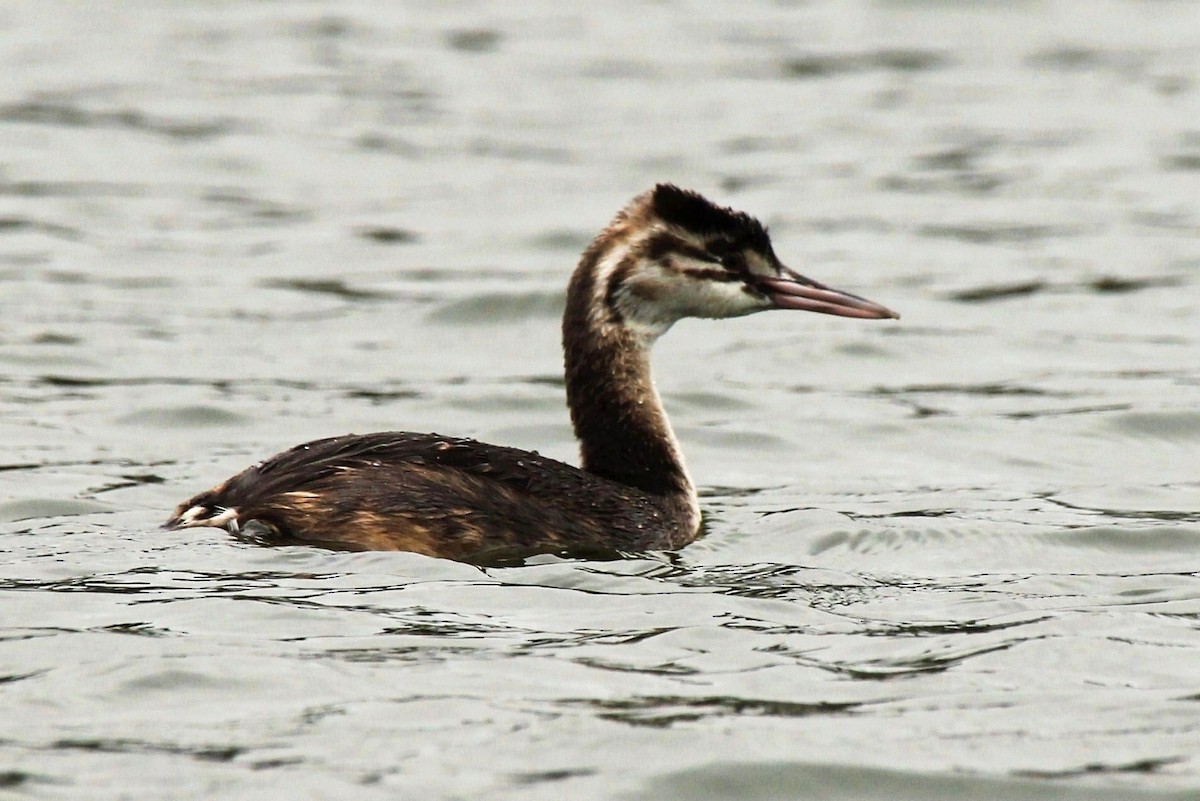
(669, 254)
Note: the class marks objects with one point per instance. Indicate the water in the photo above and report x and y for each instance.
(950, 557)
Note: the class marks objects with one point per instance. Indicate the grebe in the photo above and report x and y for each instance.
(669, 254)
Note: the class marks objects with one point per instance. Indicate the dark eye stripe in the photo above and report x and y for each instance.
(735, 261)
(663, 244)
(721, 247)
(711, 275)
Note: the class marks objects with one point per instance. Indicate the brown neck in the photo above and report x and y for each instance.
(623, 431)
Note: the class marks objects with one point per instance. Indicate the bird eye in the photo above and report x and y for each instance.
(734, 260)
(720, 248)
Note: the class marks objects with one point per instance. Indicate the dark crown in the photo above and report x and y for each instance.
(694, 212)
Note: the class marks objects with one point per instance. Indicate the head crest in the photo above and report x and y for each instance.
(694, 212)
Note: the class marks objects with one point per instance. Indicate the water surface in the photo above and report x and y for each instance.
(949, 557)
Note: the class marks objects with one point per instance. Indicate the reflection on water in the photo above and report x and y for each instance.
(952, 557)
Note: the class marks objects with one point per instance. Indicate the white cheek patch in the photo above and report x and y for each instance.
(718, 299)
(650, 296)
(657, 300)
(642, 310)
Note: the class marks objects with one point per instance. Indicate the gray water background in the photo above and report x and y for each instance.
(953, 556)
